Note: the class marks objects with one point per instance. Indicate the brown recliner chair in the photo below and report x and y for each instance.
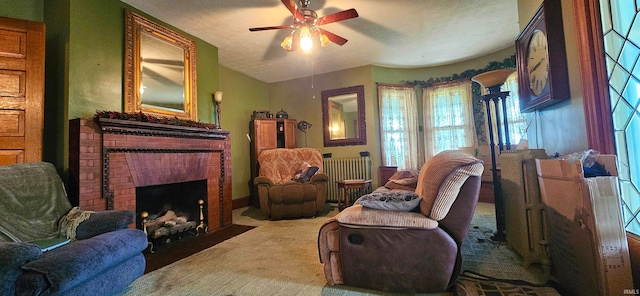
(283, 197)
(406, 251)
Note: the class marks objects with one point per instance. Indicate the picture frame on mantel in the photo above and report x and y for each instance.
(541, 59)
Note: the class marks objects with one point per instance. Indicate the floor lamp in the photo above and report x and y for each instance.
(492, 81)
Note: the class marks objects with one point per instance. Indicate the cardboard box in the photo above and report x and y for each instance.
(587, 240)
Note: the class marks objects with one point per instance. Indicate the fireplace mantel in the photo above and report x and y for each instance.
(108, 159)
(119, 126)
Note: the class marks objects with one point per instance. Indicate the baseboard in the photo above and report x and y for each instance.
(240, 202)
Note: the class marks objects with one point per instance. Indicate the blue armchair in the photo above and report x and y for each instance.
(103, 257)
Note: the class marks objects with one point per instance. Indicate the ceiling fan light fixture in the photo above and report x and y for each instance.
(287, 43)
(324, 40)
(306, 33)
(306, 39)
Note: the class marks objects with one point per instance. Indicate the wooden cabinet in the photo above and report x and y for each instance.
(21, 90)
(268, 133)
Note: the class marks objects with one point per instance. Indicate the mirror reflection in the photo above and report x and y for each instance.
(343, 116)
(160, 75)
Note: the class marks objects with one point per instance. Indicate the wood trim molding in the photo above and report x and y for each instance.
(593, 74)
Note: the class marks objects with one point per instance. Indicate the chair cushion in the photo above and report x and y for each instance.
(441, 178)
(359, 216)
(74, 263)
(396, 200)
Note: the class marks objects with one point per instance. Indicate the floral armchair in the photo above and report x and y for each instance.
(291, 183)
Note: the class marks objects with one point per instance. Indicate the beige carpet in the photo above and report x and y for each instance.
(280, 258)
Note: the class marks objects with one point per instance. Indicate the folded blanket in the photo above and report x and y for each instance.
(32, 200)
(69, 223)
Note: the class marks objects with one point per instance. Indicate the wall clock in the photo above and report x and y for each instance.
(542, 59)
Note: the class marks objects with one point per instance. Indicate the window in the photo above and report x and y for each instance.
(448, 117)
(620, 21)
(517, 121)
(399, 127)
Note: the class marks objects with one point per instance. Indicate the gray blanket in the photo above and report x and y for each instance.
(32, 200)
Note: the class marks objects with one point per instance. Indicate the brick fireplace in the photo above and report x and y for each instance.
(110, 159)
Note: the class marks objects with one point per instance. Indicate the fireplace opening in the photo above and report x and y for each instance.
(171, 210)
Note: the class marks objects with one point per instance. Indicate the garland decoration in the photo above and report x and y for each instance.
(142, 117)
(509, 62)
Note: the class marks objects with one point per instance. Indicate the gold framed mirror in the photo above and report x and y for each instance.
(160, 70)
(343, 116)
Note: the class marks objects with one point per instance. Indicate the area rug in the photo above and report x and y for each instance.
(169, 253)
(474, 284)
(281, 258)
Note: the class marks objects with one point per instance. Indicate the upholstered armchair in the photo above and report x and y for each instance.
(406, 251)
(291, 183)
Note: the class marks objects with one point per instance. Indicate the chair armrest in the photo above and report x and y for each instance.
(13, 256)
(327, 243)
(320, 177)
(105, 221)
(260, 180)
(79, 261)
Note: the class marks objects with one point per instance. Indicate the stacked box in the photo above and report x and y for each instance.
(587, 240)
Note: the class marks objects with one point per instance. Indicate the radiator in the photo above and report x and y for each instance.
(342, 169)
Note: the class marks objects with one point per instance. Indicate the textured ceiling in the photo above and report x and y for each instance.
(398, 34)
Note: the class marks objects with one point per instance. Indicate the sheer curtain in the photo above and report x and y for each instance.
(448, 117)
(517, 121)
(399, 127)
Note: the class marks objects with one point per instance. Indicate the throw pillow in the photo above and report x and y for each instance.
(394, 185)
(305, 174)
(404, 180)
(404, 177)
(399, 200)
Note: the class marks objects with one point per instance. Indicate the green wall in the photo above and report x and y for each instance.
(85, 50)
(242, 95)
(22, 9)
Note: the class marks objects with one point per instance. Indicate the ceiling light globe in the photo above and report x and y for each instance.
(306, 43)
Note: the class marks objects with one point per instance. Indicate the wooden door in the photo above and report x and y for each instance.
(21, 90)
(290, 133)
(265, 135)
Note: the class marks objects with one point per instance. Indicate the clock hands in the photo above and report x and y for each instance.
(537, 65)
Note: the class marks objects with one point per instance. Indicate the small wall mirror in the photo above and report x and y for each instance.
(160, 70)
(343, 117)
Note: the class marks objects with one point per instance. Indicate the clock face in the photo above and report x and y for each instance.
(538, 62)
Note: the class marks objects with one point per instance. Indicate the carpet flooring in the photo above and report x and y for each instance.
(169, 253)
(281, 258)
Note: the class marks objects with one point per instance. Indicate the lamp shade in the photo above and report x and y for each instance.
(493, 78)
(217, 96)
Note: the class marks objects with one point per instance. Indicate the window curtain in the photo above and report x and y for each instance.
(517, 121)
(399, 127)
(448, 117)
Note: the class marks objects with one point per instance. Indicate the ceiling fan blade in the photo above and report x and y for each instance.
(333, 37)
(336, 17)
(269, 28)
(291, 5)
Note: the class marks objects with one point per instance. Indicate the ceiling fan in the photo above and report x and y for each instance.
(306, 26)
